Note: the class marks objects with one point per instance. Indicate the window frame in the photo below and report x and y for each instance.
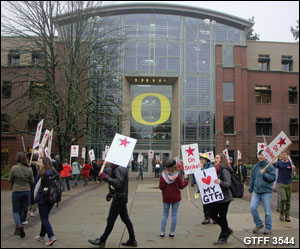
(263, 121)
(232, 130)
(263, 93)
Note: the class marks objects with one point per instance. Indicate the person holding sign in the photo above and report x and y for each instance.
(218, 210)
(170, 183)
(118, 182)
(285, 169)
(261, 185)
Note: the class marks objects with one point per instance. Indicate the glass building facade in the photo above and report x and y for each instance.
(170, 44)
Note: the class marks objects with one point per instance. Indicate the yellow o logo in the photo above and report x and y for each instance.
(137, 109)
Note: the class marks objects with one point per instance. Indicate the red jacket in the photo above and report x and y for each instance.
(171, 192)
(66, 170)
(86, 169)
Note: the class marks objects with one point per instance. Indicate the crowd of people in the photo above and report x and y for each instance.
(30, 192)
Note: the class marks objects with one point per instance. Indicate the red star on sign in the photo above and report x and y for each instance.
(190, 151)
(282, 142)
(124, 142)
(39, 127)
(262, 146)
(209, 154)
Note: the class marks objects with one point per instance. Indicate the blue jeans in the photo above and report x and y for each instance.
(20, 203)
(266, 201)
(75, 180)
(44, 210)
(166, 207)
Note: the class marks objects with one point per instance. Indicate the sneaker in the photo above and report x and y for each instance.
(171, 235)
(39, 238)
(50, 242)
(132, 243)
(25, 222)
(257, 228)
(287, 219)
(221, 240)
(97, 242)
(267, 231)
(228, 233)
(32, 214)
(206, 221)
(17, 231)
(281, 217)
(162, 235)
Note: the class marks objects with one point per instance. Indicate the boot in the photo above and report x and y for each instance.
(17, 230)
(132, 243)
(222, 239)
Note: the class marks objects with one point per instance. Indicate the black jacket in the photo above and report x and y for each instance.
(225, 176)
(118, 182)
(242, 176)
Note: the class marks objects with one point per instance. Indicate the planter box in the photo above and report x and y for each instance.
(295, 184)
(5, 184)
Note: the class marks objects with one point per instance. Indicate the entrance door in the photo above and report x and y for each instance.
(134, 163)
(163, 157)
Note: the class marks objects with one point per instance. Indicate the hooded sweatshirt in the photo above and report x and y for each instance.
(170, 184)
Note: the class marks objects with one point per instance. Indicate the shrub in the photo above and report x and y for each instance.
(5, 171)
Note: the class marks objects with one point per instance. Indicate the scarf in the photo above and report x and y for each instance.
(37, 188)
(217, 166)
(169, 177)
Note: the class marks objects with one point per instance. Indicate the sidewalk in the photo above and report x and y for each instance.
(83, 211)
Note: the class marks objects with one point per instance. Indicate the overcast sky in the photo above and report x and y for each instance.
(273, 19)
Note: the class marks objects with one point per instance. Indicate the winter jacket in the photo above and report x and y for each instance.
(86, 169)
(284, 172)
(76, 167)
(21, 176)
(118, 182)
(66, 170)
(242, 175)
(224, 175)
(262, 183)
(170, 186)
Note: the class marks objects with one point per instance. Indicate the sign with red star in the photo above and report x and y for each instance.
(279, 144)
(92, 155)
(120, 150)
(74, 150)
(190, 156)
(38, 134)
(211, 156)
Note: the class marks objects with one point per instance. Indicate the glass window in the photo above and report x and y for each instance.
(160, 49)
(264, 126)
(287, 63)
(13, 57)
(228, 125)
(264, 62)
(161, 19)
(174, 49)
(221, 33)
(263, 94)
(131, 19)
(293, 95)
(228, 91)
(294, 127)
(233, 35)
(160, 64)
(33, 122)
(174, 32)
(173, 64)
(4, 123)
(37, 57)
(227, 52)
(6, 90)
(204, 65)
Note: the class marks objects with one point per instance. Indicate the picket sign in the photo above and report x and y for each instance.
(50, 141)
(239, 156)
(150, 154)
(74, 152)
(225, 152)
(211, 156)
(91, 155)
(120, 151)
(140, 158)
(83, 150)
(260, 146)
(275, 148)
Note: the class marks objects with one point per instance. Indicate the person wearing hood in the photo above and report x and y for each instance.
(260, 189)
(171, 183)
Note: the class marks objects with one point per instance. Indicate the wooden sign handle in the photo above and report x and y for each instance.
(103, 167)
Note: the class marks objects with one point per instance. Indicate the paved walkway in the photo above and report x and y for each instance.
(83, 211)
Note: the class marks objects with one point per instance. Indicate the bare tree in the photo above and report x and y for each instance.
(64, 81)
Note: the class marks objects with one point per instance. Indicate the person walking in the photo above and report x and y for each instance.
(218, 210)
(76, 168)
(65, 175)
(21, 178)
(86, 174)
(141, 169)
(285, 169)
(40, 195)
(260, 189)
(170, 183)
(157, 168)
(118, 192)
(33, 206)
(241, 171)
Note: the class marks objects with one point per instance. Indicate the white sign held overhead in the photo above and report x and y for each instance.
(225, 152)
(83, 152)
(277, 146)
(211, 156)
(92, 155)
(261, 146)
(190, 156)
(140, 158)
(239, 155)
(74, 150)
(121, 150)
(151, 154)
(38, 134)
(210, 191)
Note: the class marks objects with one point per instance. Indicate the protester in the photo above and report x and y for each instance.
(40, 196)
(86, 174)
(180, 168)
(241, 170)
(170, 183)
(118, 186)
(261, 185)
(76, 168)
(276, 185)
(58, 164)
(285, 169)
(141, 169)
(230, 163)
(205, 164)
(218, 210)
(97, 168)
(157, 168)
(33, 206)
(21, 178)
(65, 175)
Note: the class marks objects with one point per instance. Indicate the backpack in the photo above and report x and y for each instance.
(54, 184)
(237, 187)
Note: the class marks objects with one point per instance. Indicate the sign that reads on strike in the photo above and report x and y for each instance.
(74, 150)
(190, 156)
(277, 146)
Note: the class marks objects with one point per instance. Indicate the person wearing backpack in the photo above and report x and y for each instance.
(260, 190)
(76, 168)
(40, 194)
(170, 183)
(218, 210)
